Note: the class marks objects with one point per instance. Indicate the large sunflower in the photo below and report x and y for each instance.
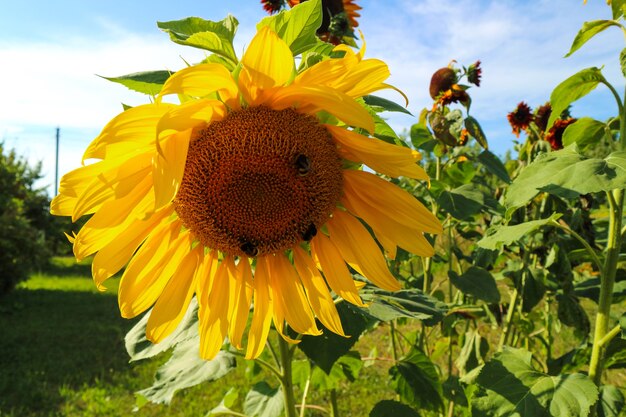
(247, 192)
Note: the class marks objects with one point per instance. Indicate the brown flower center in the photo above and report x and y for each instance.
(260, 181)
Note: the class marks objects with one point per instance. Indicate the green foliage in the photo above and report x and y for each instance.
(216, 37)
(588, 31)
(572, 89)
(462, 202)
(380, 104)
(476, 282)
(297, 26)
(390, 408)
(149, 82)
(23, 220)
(611, 401)
(494, 165)
(415, 379)
(511, 387)
(584, 133)
(264, 401)
(474, 129)
(567, 173)
(506, 235)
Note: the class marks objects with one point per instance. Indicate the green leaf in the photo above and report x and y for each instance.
(264, 401)
(453, 390)
(346, 368)
(473, 352)
(216, 37)
(185, 369)
(622, 324)
(611, 402)
(416, 380)
(505, 235)
(226, 405)
(585, 132)
(566, 173)
(590, 288)
(476, 282)
(588, 31)
(474, 129)
(462, 202)
(511, 387)
(493, 164)
(138, 347)
(385, 104)
(326, 349)
(570, 90)
(622, 61)
(391, 408)
(615, 354)
(617, 7)
(572, 314)
(297, 26)
(149, 82)
(409, 303)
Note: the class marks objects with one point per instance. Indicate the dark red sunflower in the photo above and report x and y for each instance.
(555, 134)
(272, 6)
(542, 115)
(520, 118)
(474, 72)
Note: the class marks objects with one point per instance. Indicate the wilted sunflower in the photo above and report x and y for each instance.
(247, 192)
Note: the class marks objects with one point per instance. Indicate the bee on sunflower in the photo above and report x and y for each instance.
(249, 192)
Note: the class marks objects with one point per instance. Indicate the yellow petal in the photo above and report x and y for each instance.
(360, 250)
(110, 259)
(400, 234)
(390, 199)
(312, 99)
(174, 300)
(136, 126)
(381, 156)
(268, 61)
(189, 115)
(169, 167)
(243, 297)
(288, 293)
(317, 291)
(214, 328)
(263, 312)
(112, 184)
(140, 288)
(200, 81)
(113, 218)
(335, 270)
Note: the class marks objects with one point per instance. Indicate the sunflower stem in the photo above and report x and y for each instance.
(286, 356)
(304, 395)
(334, 406)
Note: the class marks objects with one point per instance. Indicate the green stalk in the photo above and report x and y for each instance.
(616, 203)
(509, 318)
(286, 356)
(334, 407)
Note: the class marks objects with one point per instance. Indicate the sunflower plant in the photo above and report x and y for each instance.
(237, 201)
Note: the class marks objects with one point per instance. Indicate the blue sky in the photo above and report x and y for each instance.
(51, 51)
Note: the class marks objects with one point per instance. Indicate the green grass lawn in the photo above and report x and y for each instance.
(62, 354)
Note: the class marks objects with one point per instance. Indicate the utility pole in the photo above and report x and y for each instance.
(56, 167)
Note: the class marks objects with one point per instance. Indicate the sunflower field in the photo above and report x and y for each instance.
(275, 241)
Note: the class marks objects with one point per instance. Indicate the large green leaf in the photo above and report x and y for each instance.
(264, 401)
(391, 408)
(138, 347)
(297, 26)
(570, 90)
(475, 348)
(476, 282)
(511, 387)
(410, 303)
(149, 82)
(185, 369)
(505, 235)
(462, 202)
(421, 137)
(567, 173)
(326, 349)
(571, 313)
(617, 7)
(493, 164)
(224, 408)
(216, 37)
(346, 368)
(611, 401)
(588, 31)
(585, 132)
(416, 380)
